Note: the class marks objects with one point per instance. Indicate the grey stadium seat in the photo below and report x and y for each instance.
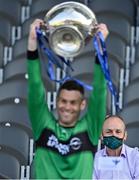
(134, 72)
(124, 8)
(133, 134)
(20, 48)
(16, 140)
(5, 31)
(16, 114)
(116, 24)
(116, 48)
(131, 93)
(11, 10)
(130, 113)
(9, 165)
(1, 54)
(40, 6)
(17, 69)
(87, 61)
(13, 89)
(137, 52)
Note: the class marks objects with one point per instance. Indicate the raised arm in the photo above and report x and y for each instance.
(97, 102)
(36, 92)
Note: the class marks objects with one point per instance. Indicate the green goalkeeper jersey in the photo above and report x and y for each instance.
(64, 153)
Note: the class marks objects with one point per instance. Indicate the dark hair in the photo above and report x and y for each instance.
(72, 85)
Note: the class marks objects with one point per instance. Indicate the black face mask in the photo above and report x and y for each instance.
(112, 142)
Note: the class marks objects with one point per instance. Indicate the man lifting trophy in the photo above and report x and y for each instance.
(65, 146)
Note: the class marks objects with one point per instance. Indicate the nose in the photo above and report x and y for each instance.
(67, 106)
(113, 133)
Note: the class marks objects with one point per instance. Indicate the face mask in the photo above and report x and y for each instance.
(112, 142)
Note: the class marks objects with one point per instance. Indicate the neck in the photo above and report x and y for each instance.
(67, 125)
(114, 152)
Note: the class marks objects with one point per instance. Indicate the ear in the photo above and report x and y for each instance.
(125, 136)
(83, 104)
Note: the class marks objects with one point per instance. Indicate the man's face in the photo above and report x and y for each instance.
(114, 126)
(69, 105)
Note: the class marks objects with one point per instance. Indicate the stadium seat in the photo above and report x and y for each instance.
(11, 10)
(117, 25)
(116, 48)
(40, 6)
(133, 133)
(24, 2)
(16, 114)
(115, 7)
(9, 165)
(16, 140)
(134, 72)
(137, 52)
(16, 89)
(20, 48)
(131, 94)
(5, 32)
(1, 53)
(129, 113)
(17, 70)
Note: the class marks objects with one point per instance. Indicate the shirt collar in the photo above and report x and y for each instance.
(123, 152)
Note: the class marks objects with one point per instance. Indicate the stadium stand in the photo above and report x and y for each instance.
(16, 144)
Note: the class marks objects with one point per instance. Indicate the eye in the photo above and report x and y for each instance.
(118, 131)
(62, 101)
(108, 132)
(73, 102)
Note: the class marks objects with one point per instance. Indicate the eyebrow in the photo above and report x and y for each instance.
(112, 129)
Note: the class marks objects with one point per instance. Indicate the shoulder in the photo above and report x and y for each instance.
(99, 153)
(132, 151)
